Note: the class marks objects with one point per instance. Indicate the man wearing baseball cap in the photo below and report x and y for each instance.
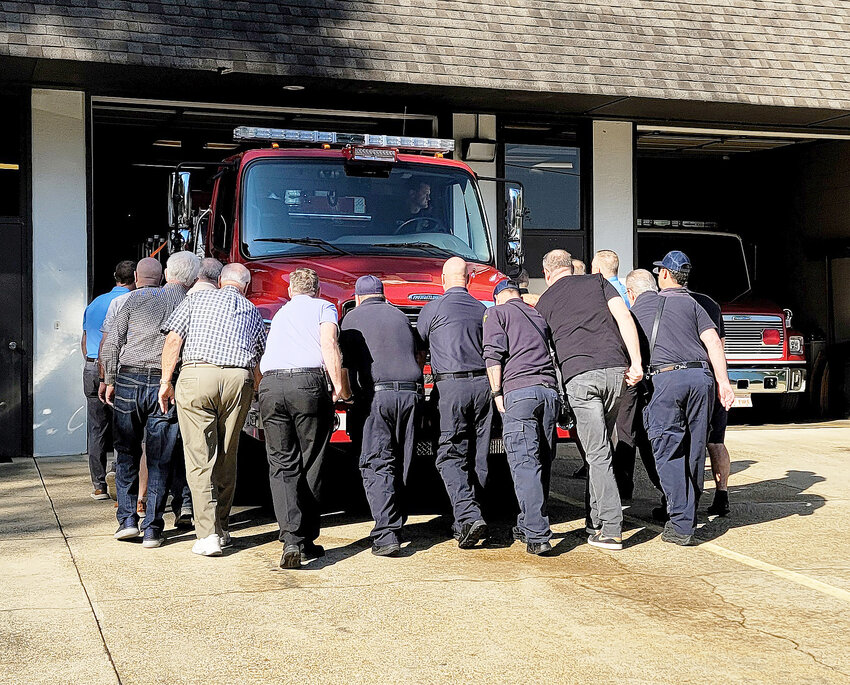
(381, 351)
(524, 388)
(683, 350)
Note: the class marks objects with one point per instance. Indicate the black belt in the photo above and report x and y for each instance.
(460, 374)
(654, 370)
(398, 385)
(91, 360)
(292, 372)
(144, 370)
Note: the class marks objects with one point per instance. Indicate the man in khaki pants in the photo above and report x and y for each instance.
(223, 337)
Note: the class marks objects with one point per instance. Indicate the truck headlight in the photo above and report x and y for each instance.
(795, 344)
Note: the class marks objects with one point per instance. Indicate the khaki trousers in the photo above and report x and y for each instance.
(212, 403)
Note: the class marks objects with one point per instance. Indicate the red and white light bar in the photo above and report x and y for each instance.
(331, 138)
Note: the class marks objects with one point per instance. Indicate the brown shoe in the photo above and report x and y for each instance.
(99, 494)
(140, 506)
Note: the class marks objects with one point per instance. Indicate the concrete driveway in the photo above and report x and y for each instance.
(764, 598)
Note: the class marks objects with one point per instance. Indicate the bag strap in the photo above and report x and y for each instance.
(553, 353)
(655, 325)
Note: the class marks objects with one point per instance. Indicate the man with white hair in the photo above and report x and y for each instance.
(208, 275)
(132, 373)
(222, 336)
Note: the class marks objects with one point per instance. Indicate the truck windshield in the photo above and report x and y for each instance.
(719, 265)
(298, 206)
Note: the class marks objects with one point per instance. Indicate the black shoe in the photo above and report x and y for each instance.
(581, 472)
(518, 535)
(670, 535)
(389, 550)
(538, 548)
(311, 550)
(720, 504)
(183, 520)
(291, 557)
(470, 533)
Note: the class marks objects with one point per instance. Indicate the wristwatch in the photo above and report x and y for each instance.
(496, 393)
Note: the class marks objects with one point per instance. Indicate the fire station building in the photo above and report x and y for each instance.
(625, 121)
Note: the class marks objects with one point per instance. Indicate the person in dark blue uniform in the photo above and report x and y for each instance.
(451, 326)
(381, 352)
(683, 349)
(524, 388)
(717, 453)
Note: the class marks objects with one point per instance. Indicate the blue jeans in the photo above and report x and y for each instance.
(138, 417)
(529, 429)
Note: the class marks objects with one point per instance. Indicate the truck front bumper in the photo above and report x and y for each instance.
(773, 380)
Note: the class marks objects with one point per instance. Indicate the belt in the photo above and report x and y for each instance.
(293, 372)
(91, 360)
(144, 370)
(655, 370)
(460, 374)
(398, 385)
(214, 366)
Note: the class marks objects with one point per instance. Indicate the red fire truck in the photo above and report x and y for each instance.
(766, 357)
(347, 205)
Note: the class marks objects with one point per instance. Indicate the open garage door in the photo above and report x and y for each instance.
(137, 143)
(763, 216)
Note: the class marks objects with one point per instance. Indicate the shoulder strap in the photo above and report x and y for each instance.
(547, 340)
(654, 336)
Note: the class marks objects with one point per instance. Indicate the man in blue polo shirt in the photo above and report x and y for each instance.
(99, 414)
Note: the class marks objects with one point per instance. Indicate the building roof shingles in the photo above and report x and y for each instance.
(792, 53)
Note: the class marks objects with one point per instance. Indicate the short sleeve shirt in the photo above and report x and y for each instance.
(379, 345)
(712, 309)
(682, 323)
(294, 340)
(219, 327)
(94, 316)
(584, 330)
(451, 327)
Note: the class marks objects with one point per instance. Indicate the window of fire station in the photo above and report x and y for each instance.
(551, 178)
(319, 206)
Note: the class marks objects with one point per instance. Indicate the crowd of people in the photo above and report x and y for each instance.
(172, 368)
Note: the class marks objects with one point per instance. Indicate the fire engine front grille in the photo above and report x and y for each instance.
(744, 336)
(412, 313)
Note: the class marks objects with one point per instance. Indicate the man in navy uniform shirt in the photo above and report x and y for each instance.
(683, 349)
(381, 352)
(523, 382)
(451, 326)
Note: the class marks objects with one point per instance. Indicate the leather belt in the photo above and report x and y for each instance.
(144, 370)
(91, 360)
(398, 385)
(292, 372)
(461, 374)
(655, 370)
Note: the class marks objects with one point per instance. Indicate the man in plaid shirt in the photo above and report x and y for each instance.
(223, 337)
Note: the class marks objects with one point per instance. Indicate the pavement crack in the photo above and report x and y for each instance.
(746, 624)
(77, 571)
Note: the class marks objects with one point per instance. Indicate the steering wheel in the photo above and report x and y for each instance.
(429, 225)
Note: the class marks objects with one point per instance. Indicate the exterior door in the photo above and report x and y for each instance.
(14, 357)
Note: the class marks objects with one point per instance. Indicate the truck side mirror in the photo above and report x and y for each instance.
(514, 212)
(179, 200)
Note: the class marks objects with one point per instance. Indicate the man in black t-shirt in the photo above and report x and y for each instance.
(598, 351)
(721, 464)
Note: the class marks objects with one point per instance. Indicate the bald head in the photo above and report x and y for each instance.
(236, 275)
(455, 273)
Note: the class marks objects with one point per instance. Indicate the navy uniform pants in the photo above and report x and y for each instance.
(529, 428)
(677, 421)
(385, 455)
(465, 418)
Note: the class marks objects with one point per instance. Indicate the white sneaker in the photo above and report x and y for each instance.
(110, 485)
(225, 540)
(209, 546)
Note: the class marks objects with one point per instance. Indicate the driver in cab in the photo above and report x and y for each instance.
(416, 216)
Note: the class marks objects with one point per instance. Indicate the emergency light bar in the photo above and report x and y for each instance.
(331, 138)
